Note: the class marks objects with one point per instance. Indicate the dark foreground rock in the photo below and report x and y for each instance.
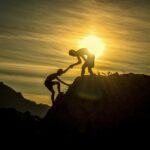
(97, 109)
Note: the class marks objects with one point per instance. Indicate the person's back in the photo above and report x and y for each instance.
(51, 77)
(83, 51)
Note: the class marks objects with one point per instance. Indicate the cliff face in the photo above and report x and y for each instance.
(94, 101)
(9, 98)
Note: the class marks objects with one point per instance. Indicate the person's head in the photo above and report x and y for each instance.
(72, 52)
(59, 72)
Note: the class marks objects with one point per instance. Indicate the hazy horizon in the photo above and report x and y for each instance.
(35, 36)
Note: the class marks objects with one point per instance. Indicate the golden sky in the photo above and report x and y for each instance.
(35, 36)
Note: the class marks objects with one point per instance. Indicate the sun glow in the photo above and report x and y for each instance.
(94, 44)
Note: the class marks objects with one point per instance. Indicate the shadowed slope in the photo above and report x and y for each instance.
(94, 110)
(95, 101)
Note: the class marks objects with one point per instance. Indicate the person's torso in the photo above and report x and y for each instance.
(83, 51)
(51, 77)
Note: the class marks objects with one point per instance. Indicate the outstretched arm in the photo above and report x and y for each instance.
(77, 63)
(84, 58)
(67, 69)
(63, 82)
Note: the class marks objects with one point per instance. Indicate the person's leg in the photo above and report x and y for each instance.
(49, 85)
(83, 69)
(58, 85)
(52, 95)
(90, 71)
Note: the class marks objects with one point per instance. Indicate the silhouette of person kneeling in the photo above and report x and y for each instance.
(49, 83)
(86, 56)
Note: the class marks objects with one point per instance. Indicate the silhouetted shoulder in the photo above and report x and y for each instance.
(51, 77)
(83, 51)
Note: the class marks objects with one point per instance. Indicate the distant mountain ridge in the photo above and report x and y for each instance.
(9, 98)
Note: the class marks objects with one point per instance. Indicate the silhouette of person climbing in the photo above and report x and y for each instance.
(50, 82)
(86, 56)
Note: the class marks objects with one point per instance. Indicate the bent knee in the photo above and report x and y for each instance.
(48, 85)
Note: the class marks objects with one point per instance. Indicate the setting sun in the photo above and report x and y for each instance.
(94, 44)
